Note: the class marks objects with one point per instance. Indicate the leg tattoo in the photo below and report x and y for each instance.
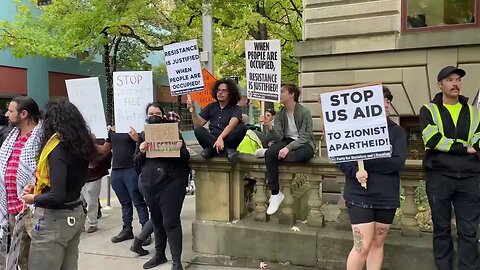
(357, 240)
(382, 230)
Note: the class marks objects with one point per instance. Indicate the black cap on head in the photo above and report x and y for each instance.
(449, 70)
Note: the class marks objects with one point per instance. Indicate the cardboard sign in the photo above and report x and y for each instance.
(162, 140)
(183, 67)
(356, 124)
(205, 97)
(132, 91)
(86, 95)
(264, 69)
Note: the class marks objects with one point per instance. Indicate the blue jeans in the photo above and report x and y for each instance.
(125, 185)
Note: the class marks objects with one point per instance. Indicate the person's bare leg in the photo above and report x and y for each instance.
(362, 238)
(375, 256)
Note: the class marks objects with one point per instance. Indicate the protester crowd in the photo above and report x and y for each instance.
(51, 169)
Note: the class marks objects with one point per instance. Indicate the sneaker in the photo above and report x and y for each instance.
(177, 266)
(260, 153)
(275, 201)
(92, 229)
(207, 153)
(232, 155)
(137, 247)
(155, 261)
(125, 234)
(148, 241)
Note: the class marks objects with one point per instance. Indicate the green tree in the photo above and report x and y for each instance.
(121, 31)
(236, 21)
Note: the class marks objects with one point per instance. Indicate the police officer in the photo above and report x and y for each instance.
(450, 131)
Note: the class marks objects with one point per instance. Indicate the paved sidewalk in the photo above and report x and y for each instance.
(98, 252)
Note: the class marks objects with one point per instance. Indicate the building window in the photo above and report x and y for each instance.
(428, 15)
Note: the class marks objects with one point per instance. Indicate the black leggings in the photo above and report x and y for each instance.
(359, 215)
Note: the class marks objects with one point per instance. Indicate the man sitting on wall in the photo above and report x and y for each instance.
(226, 130)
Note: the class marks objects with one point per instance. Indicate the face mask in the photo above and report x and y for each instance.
(154, 119)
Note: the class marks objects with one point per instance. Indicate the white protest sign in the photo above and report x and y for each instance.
(355, 124)
(85, 94)
(132, 91)
(264, 69)
(183, 67)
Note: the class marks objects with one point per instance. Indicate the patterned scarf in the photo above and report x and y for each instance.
(43, 168)
(26, 167)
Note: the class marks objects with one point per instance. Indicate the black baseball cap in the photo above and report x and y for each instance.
(449, 70)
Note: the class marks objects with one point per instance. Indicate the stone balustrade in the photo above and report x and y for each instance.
(220, 191)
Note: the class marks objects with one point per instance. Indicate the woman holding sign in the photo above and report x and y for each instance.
(163, 181)
(372, 209)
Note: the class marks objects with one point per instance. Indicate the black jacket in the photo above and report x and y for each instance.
(455, 162)
(162, 173)
(383, 185)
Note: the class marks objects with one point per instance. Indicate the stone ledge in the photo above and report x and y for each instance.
(324, 248)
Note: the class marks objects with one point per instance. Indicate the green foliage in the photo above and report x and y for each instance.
(236, 21)
(67, 27)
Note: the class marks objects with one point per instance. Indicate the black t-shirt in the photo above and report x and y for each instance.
(67, 177)
(123, 149)
(219, 118)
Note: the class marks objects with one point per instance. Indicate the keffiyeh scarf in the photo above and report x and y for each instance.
(26, 167)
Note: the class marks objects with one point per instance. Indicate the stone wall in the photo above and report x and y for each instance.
(349, 42)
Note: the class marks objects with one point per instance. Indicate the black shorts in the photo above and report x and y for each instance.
(359, 215)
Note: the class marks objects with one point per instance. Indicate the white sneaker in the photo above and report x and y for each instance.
(260, 153)
(275, 201)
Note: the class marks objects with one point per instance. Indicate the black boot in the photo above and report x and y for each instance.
(156, 260)
(137, 247)
(232, 155)
(177, 266)
(148, 241)
(125, 234)
(207, 153)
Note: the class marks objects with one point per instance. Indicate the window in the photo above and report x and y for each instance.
(428, 15)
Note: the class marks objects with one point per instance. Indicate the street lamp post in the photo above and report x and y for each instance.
(207, 35)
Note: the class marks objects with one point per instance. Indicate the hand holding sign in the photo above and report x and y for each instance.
(133, 134)
(190, 104)
(143, 147)
(362, 175)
